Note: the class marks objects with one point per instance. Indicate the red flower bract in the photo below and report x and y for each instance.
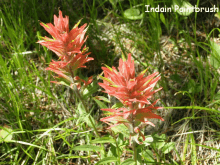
(134, 92)
(125, 86)
(68, 47)
(63, 42)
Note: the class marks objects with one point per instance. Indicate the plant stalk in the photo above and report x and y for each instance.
(85, 107)
(134, 144)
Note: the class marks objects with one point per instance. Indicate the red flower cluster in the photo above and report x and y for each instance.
(68, 47)
(134, 92)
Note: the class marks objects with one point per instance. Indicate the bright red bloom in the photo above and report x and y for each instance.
(68, 46)
(125, 86)
(134, 92)
(64, 42)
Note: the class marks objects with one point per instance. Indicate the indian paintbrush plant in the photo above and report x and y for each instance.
(135, 93)
(69, 46)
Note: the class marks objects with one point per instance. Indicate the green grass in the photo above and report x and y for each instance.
(48, 124)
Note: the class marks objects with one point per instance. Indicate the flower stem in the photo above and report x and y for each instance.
(87, 111)
(82, 101)
(85, 107)
(134, 144)
(75, 89)
(118, 148)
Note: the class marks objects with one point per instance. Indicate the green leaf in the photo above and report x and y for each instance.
(103, 99)
(212, 148)
(162, 18)
(215, 55)
(133, 14)
(148, 140)
(182, 7)
(100, 104)
(103, 140)
(193, 149)
(159, 145)
(148, 156)
(29, 144)
(63, 83)
(158, 142)
(194, 87)
(191, 86)
(117, 105)
(6, 134)
(67, 156)
(193, 107)
(217, 96)
(107, 160)
(121, 129)
(90, 89)
(121, 140)
(128, 162)
(112, 151)
(184, 154)
(168, 147)
(84, 116)
(87, 148)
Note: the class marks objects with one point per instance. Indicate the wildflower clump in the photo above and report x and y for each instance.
(68, 46)
(135, 93)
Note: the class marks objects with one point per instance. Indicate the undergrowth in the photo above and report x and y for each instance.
(44, 123)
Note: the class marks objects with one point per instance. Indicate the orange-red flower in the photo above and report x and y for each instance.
(125, 86)
(68, 45)
(134, 92)
(64, 42)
